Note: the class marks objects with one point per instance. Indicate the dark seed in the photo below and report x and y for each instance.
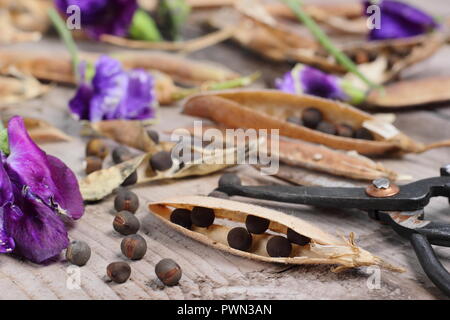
(134, 247)
(153, 135)
(126, 223)
(97, 147)
(256, 224)
(364, 134)
(228, 179)
(344, 130)
(239, 238)
(161, 161)
(218, 194)
(126, 200)
(202, 217)
(297, 238)
(93, 164)
(295, 120)
(132, 179)
(78, 253)
(121, 154)
(168, 271)
(182, 217)
(311, 117)
(326, 127)
(118, 272)
(279, 247)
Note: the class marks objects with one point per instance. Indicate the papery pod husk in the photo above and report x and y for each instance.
(150, 5)
(28, 15)
(269, 109)
(11, 34)
(323, 248)
(42, 132)
(16, 87)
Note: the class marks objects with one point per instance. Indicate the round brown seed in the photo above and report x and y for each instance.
(118, 272)
(168, 271)
(311, 117)
(218, 194)
(228, 179)
(295, 120)
(202, 217)
(256, 224)
(93, 164)
(121, 154)
(239, 238)
(153, 135)
(182, 217)
(97, 147)
(134, 247)
(130, 180)
(161, 161)
(279, 246)
(126, 200)
(297, 238)
(126, 223)
(326, 127)
(344, 130)
(78, 253)
(364, 134)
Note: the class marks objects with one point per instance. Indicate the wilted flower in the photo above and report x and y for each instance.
(115, 94)
(35, 189)
(399, 20)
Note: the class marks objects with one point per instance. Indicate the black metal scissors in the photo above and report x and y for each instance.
(400, 207)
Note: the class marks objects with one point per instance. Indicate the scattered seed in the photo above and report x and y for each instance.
(326, 127)
(126, 223)
(363, 133)
(279, 246)
(134, 247)
(218, 194)
(344, 130)
(239, 238)
(118, 272)
(161, 161)
(311, 117)
(256, 225)
(228, 179)
(168, 271)
(132, 179)
(202, 217)
(182, 217)
(297, 238)
(78, 253)
(121, 154)
(97, 147)
(153, 135)
(126, 200)
(93, 164)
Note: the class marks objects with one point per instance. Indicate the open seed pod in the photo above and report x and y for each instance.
(270, 109)
(322, 248)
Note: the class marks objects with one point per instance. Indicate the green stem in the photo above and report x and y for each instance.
(324, 40)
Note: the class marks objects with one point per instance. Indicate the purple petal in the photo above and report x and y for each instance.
(79, 104)
(6, 198)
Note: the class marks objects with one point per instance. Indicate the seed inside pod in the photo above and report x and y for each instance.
(256, 224)
(202, 217)
(326, 127)
(118, 272)
(161, 161)
(168, 271)
(239, 238)
(295, 120)
(126, 223)
(121, 154)
(134, 247)
(363, 133)
(97, 147)
(153, 135)
(132, 179)
(93, 164)
(182, 217)
(297, 238)
(126, 200)
(279, 246)
(218, 194)
(344, 130)
(228, 179)
(311, 117)
(78, 253)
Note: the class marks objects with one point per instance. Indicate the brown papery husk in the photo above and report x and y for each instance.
(16, 87)
(323, 249)
(42, 132)
(269, 109)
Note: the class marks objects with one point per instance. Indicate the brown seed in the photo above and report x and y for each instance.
(78, 253)
(311, 117)
(344, 130)
(126, 223)
(121, 154)
(126, 200)
(364, 134)
(218, 194)
(153, 135)
(239, 238)
(93, 164)
(182, 217)
(326, 127)
(161, 161)
(256, 224)
(97, 147)
(229, 179)
(132, 179)
(118, 272)
(202, 217)
(279, 246)
(168, 271)
(297, 238)
(134, 247)
(295, 120)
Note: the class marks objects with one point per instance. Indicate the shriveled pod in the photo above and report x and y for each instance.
(17, 87)
(270, 109)
(322, 248)
(12, 34)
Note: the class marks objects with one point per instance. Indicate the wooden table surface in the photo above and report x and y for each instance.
(211, 274)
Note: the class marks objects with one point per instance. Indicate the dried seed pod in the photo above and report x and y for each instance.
(118, 272)
(202, 217)
(297, 238)
(78, 253)
(153, 135)
(130, 180)
(126, 223)
(93, 163)
(97, 147)
(168, 271)
(326, 127)
(229, 179)
(218, 194)
(311, 117)
(134, 247)
(126, 201)
(161, 161)
(181, 217)
(121, 154)
(279, 247)
(256, 224)
(239, 238)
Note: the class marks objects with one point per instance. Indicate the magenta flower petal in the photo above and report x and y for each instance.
(79, 104)
(6, 199)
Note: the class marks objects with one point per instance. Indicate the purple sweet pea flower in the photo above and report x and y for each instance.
(115, 94)
(400, 20)
(103, 16)
(36, 189)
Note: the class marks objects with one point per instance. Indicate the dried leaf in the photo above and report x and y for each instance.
(11, 34)
(16, 87)
(43, 132)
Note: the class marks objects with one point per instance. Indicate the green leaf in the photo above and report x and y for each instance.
(143, 27)
(4, 144)
(172, 15)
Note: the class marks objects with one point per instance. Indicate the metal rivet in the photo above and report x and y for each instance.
(382, 188)
(381, 183)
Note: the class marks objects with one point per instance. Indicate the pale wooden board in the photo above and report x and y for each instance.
(210, 274)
